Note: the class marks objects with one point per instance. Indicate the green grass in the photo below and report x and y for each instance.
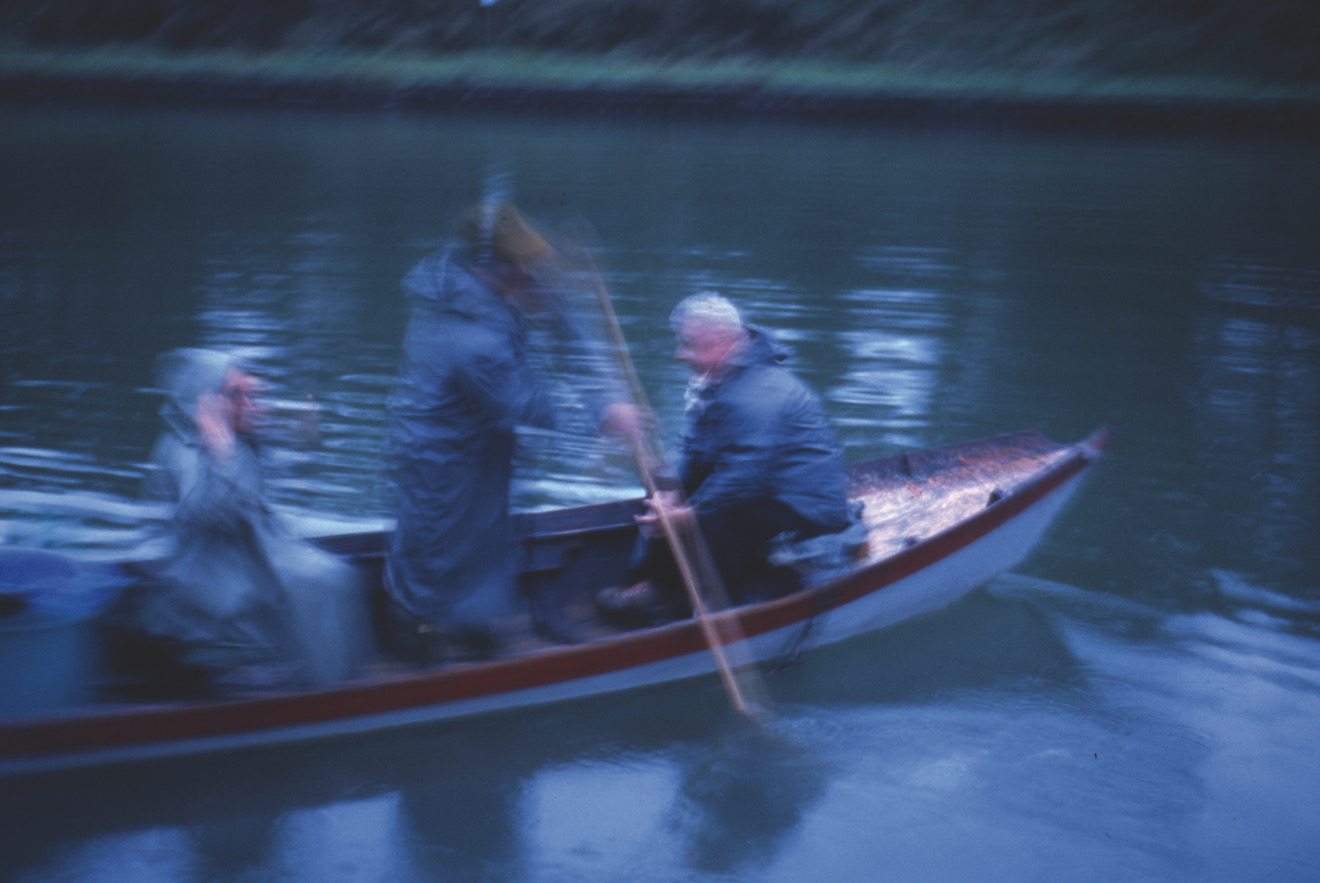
(514, 69)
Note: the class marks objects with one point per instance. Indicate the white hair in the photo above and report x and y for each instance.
(707, 308)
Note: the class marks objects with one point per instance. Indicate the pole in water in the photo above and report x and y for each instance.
(646, 460)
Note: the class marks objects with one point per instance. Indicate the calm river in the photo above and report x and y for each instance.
(1140, 700)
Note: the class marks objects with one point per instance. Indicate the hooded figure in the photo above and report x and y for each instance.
(239, 588)
(465, 384)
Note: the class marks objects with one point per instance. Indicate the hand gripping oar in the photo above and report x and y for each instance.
(647, 459)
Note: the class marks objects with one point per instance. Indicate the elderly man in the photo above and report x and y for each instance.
(759, 459)
(465, 384)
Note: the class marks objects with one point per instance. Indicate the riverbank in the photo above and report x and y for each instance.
(1129, 63)
(730, 88)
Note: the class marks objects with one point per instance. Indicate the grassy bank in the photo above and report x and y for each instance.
(521, 69)
(750, 52)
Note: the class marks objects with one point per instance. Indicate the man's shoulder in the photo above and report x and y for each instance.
(770, 378)
(767, 390)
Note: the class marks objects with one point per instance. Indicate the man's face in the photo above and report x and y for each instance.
(703, 347)
(237, 397)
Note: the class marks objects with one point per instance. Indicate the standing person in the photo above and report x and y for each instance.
(464, 385)
(759, 459)
(238, 590)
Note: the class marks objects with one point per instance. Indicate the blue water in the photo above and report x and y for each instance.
(1136, 701)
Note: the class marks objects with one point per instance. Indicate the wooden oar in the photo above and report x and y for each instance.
(647, 459)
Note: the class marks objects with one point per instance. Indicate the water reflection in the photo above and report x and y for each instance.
(934, 288)
(288, 308)
(1258, 352)
(896, 344)
(479, 805)
(1035, 714)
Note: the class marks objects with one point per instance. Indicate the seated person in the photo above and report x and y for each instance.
(758, 460)
(238, 592)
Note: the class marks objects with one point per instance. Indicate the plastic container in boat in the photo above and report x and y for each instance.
(48, 642)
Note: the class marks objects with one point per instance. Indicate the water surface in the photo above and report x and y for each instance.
(1136, 701)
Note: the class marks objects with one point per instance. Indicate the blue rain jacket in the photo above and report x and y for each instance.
(757, 432)
(238, 587)
(465, 384)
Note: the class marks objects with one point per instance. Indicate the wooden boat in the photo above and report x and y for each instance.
(939, 522)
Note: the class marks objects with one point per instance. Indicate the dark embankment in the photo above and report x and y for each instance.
(1152, 64)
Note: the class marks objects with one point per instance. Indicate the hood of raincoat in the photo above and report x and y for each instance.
(450, 282)
(763, 347)
(443, 282)
(185, 374)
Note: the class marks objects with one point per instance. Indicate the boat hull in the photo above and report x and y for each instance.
(929, 573)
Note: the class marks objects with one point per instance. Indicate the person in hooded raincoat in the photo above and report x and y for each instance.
(465, 384)
(237, 589)
(759, 461)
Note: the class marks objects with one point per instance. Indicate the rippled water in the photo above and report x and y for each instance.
(1137, 701)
